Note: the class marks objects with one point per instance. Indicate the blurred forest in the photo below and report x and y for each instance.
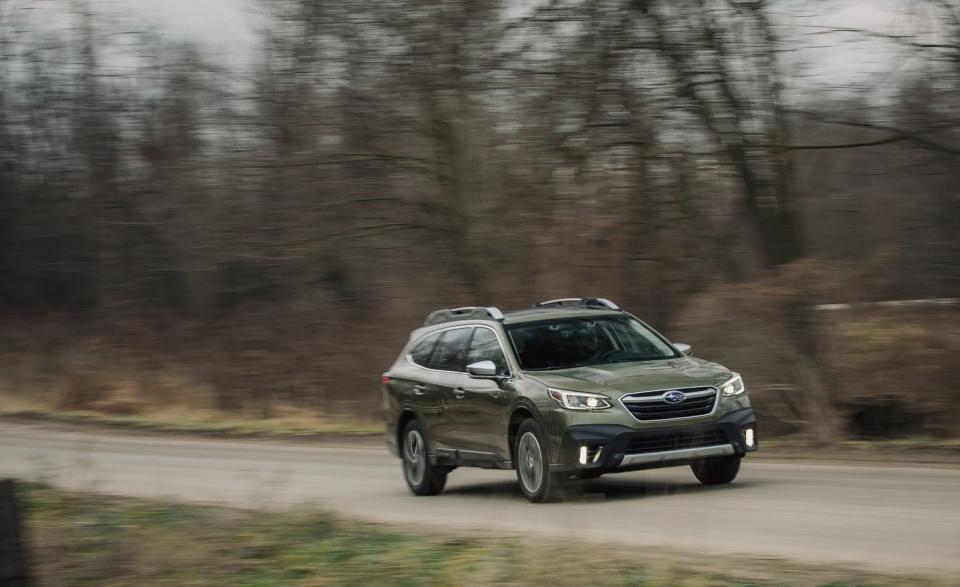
(180, 233)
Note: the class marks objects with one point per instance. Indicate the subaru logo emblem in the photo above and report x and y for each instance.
(674, 397)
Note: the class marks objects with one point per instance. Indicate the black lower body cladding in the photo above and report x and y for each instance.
(615, 443)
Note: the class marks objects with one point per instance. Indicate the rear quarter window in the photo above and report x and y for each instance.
(422, 350)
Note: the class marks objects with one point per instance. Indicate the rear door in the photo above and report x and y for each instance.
(447, 369)
(420, 386)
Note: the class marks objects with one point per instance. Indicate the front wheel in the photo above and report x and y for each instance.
(532, 462)
(717, 470)
(422, 477)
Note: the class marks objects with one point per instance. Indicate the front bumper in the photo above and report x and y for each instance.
(602, 448)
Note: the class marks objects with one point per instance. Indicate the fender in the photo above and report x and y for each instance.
(526, 403)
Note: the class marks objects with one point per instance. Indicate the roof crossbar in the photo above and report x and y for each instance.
(579, 302)
(465, 313)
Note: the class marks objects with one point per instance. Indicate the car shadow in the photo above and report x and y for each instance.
(603, 489)
(614, 489)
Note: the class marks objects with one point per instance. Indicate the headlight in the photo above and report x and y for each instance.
(578, 400)
(733, 387)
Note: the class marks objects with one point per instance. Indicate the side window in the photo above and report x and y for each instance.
(451, 353)
(421, 353)
(485, 347)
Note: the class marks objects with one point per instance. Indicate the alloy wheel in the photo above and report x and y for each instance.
(414, 457)
(530, 462)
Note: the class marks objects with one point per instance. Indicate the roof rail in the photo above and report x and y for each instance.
(465, 313)
(579, 302)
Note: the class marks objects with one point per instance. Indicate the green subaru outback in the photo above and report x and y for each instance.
(570, 389)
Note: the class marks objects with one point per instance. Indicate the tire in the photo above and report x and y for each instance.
(532, 462)
(717, 471)
(422, 477)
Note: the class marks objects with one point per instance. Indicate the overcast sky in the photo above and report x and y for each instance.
(227, 26)
(228, 29)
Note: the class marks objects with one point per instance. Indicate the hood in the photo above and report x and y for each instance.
(617, 379)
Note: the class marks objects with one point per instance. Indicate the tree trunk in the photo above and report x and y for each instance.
(13, 560)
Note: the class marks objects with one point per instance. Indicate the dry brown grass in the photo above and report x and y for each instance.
(902, 357)
(183, 377)
(810, 371)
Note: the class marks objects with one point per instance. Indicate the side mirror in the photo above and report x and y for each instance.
(483, 370)
(684, 348)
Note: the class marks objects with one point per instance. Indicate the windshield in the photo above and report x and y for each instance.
(596, 340)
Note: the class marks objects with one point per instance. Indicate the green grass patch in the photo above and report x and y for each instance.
(87, 540)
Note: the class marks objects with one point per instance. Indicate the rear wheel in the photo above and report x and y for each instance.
(717, 471)
(422, 477)
(532, 462)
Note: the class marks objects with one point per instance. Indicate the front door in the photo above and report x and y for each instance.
(478, 407)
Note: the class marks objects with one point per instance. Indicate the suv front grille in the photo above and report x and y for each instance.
(650, 405)
(674, 441)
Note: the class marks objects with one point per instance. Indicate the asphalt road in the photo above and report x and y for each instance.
(902, 519)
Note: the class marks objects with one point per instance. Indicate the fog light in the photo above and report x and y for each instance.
(583, 455)
(596, 455)
(748, 437)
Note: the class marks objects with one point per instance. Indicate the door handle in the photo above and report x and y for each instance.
(459, 392)
(419, 389)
